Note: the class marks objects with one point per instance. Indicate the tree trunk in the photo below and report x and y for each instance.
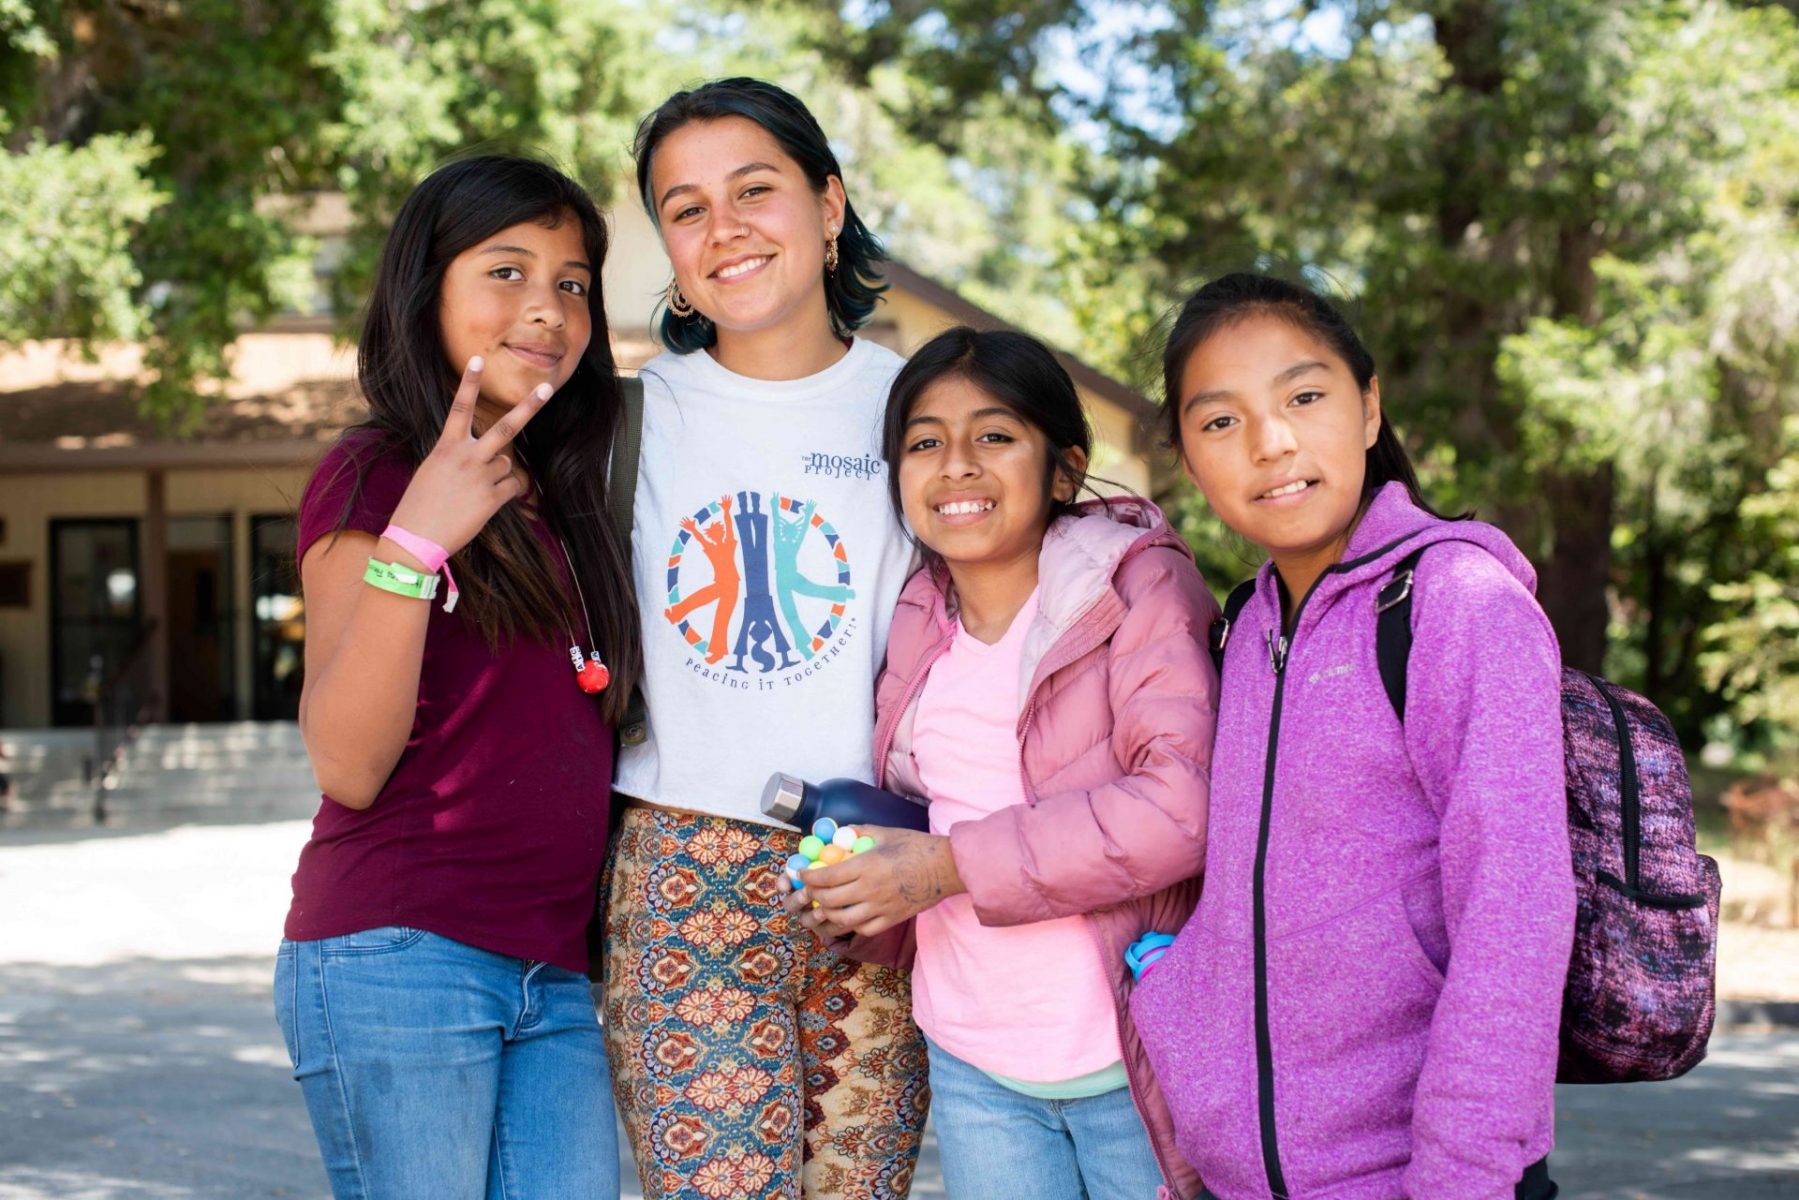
(1574, 584)
(1655, 591)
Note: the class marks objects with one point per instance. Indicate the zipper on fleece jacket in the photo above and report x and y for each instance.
(1280, 649)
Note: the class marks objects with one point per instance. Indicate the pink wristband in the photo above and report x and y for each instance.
(424, 549)
(434, 556)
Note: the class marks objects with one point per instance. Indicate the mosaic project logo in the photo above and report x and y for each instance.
(757, 570)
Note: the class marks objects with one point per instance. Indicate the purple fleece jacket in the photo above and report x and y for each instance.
(1416, 895)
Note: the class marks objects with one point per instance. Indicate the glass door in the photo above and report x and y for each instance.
(96, 613)
(279, 614)
(202, 681)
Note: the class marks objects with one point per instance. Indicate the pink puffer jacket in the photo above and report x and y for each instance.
(1115, 737)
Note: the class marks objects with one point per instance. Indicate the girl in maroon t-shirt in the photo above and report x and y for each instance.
(432, 986)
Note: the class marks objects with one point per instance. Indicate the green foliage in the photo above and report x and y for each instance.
(234, 114)
(1571, 223)
(421, 83)
(1683, 373)
(67, 240)
(219, 99)
(1752, 653)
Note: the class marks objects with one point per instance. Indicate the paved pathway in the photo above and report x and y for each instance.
(138, 1058)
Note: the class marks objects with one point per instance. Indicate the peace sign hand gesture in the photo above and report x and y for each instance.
(466, 479)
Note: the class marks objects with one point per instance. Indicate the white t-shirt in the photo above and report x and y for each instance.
(767, 560)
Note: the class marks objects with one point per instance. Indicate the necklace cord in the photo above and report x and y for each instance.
(586, 618)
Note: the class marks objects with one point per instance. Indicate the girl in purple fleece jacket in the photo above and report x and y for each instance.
(1365, 1004)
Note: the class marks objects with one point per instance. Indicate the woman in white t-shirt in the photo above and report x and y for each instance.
(746, 1058)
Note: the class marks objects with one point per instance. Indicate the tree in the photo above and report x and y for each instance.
(209, 121)
(218, 99)
(1752, 654)
(1535, 199)
(1571, 222)
(1682, 379)
(67, 244)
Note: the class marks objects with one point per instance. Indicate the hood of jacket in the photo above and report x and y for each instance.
(1081, 554)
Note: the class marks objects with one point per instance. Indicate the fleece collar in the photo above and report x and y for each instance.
(1390, 529)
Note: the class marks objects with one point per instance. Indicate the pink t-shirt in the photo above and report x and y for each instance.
(1026, 1001)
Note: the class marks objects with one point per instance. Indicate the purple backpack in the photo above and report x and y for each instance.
(1640, 996)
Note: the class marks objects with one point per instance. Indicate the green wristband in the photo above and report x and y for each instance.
(401, 580)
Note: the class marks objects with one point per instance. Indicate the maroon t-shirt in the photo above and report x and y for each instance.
(492, 828)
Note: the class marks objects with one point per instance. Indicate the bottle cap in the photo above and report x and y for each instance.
(1142, 954)
(781, 797)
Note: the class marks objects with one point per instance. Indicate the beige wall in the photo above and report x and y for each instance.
(264, 363)
(636, 270)
(30, 502)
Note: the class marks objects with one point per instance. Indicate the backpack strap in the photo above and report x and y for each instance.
(1393, 629)
(621, 499)
(633, 730)
(1221, 628)
(627, 444)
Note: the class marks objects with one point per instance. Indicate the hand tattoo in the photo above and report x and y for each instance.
(918, 874)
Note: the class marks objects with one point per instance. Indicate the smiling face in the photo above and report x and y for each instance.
(974, 477)
(744, 228)
(519, 299)
(1275, 432)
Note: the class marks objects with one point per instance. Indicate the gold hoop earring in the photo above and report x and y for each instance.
(677, 303)
(831, 255)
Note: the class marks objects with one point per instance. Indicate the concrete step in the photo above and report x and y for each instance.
(229, 773)
(245, 769)
(45, 762)
(228, 737)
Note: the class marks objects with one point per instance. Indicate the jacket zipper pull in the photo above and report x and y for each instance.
(1277, 651)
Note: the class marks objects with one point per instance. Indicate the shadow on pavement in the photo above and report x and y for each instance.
(166, 1079)
(1729, 1130)
(148, 1078)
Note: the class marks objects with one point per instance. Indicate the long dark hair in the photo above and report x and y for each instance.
(1015, 369)
(852, 289)
(1235, 297)
(511, 583)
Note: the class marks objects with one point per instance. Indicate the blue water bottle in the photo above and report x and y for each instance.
(793, 801)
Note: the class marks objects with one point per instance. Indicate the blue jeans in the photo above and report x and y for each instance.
(998, 1144)
(435, 1069)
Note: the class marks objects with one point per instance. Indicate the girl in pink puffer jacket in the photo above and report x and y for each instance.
(1048, 691)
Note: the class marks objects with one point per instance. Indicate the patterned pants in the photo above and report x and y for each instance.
(733, 1039)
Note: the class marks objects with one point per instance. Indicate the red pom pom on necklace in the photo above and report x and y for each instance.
(593, 676)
